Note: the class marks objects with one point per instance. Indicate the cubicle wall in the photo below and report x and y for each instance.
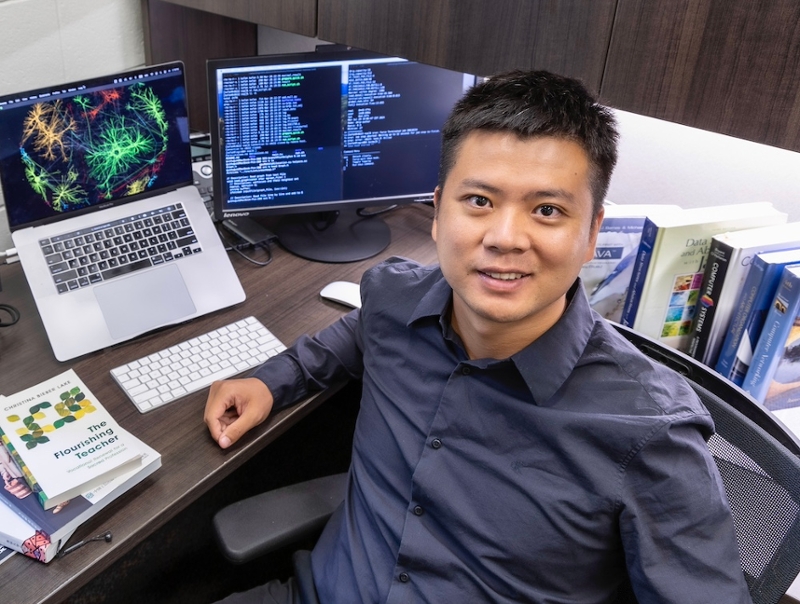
(664, 162)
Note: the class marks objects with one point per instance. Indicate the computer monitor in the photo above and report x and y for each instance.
(315, 137)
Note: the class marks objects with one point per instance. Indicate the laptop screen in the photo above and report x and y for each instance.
(87, 145)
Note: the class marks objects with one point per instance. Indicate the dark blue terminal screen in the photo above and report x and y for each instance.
(328, 128)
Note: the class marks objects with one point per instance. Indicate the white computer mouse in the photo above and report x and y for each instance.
(343, 292)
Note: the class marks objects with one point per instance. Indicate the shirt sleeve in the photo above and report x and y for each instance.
(675, 523)
(315, 362)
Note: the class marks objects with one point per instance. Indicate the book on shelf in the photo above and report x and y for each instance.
(750, 311)
(63, 439)
(664, 289)
(774, 375)
(26, 527)
(606, 276)
(729, 260)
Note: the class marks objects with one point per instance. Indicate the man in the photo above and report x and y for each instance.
(511, 446)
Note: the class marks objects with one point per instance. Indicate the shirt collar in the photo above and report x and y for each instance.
(435, 302)
(549, 361)
(544, 364)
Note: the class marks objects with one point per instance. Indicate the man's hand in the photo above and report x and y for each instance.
(235, 406)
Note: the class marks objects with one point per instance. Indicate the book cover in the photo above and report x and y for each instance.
(64, 441)
(28, 528)
(665, 286)
(729, 261)
(606, 277)
(750, 311)
(774, 375)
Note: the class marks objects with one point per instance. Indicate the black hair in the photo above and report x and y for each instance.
(533, 104)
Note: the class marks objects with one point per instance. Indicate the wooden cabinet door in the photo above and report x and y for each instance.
(479, 36)
(730, 66)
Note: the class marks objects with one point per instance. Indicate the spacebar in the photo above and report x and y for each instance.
(125, 268)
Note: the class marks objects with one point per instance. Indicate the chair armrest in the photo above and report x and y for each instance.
(272, 520)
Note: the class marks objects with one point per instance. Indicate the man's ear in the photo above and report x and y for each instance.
(437, 197)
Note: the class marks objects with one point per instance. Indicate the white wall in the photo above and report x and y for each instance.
(662, 162)
(45, 42)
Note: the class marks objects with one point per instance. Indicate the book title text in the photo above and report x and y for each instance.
(99, 438)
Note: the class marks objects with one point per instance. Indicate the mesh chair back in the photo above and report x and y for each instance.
(757, 458)
(762, 480)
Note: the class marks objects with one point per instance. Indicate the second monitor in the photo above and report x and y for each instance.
(315, 137)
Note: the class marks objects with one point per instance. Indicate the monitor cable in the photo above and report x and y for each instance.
(238, 247)
(364, 214)
(9, 315)
(13, 315)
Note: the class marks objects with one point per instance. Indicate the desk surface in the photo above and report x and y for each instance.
(283, 295)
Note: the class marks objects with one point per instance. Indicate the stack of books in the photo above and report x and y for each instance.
(666, 283)
(606, 277)
(720, 283)
(63, 458)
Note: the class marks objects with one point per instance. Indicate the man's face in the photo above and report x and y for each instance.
(512, 230)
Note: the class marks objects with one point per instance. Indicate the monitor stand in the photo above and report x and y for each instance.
(337, 236)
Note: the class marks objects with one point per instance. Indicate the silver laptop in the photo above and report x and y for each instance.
(114, 239)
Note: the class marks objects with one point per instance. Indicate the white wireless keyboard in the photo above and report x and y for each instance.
(174, 372)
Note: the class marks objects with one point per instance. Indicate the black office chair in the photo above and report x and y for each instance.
(758, 459)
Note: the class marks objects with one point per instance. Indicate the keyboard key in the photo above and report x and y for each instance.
(170, 374)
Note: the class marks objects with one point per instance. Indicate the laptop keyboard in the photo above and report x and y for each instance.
(174, 372)
(112, 249)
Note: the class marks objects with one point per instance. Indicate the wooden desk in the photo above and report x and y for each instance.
(283, 295)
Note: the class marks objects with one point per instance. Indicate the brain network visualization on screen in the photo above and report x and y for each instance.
(95, 146)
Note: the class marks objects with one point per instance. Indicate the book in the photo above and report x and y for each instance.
(16, 535)
(5, 553)
(774, 375)
(62, 438)
(28, 528)
(664, 289)
(750, 311)
(606, 276)
(729, 260)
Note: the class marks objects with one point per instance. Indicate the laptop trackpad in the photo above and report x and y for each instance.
(144, 301)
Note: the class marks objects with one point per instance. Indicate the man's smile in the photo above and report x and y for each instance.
(504, 276)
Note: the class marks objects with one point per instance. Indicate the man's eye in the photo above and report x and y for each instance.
(479, 201)
(547, 210)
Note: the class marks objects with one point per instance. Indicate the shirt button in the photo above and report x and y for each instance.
(418, 511)
(466, 370)
(436, 443)
(404, 578)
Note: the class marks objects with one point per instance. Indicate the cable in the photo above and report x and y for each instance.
(12, 312)
(362, 212)
(104, 537)
(230, 247)
(10, 255)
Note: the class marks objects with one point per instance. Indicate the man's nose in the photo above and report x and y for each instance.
(507, 231)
